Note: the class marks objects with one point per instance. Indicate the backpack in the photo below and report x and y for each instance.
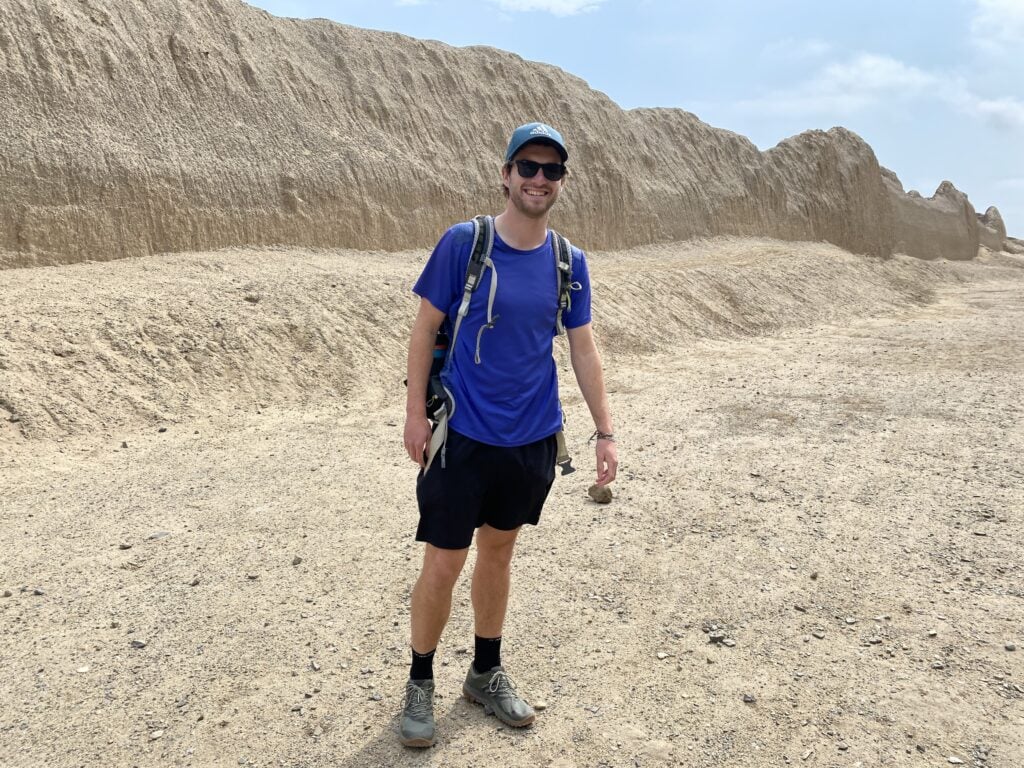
(439, 403)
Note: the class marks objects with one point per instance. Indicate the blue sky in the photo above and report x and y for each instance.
(936, 87)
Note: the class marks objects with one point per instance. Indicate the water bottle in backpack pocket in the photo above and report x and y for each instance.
(435, 389)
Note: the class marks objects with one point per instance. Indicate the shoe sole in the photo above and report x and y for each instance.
(489, 710)
(418, 743)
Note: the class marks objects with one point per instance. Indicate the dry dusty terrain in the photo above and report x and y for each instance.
(207, 518)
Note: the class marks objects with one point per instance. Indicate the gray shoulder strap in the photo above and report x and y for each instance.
(563, 266)
(479, 259)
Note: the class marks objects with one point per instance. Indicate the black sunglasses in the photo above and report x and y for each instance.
(528, 169)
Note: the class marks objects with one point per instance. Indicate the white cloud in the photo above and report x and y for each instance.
(847, 87)
(869, 73)
(998, 26)
(556, 7)
(1004, 113)
(870, 81)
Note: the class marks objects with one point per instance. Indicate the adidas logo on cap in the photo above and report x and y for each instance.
(536, 131)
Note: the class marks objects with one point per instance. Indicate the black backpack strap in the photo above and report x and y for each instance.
(444, 408)
(483, 244)
(563, 267)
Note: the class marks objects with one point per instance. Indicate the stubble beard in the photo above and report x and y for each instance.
(521, 202)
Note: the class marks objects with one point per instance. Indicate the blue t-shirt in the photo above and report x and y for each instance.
(511, 397)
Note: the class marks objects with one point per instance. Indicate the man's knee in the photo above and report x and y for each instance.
(495, 547)
(441, 567)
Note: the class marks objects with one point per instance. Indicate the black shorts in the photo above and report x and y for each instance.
(483, 484)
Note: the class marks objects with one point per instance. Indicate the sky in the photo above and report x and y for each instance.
(936, 87)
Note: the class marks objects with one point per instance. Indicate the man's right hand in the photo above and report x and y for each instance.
(417, 438)
(421, 355)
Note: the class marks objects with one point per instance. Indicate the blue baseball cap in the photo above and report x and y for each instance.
(535, 133)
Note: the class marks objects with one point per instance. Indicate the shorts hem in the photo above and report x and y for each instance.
(426, 540)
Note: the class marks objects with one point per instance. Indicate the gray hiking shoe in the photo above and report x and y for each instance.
(496, 692)
(418, 714)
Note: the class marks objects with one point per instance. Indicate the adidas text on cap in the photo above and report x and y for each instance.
(539, 133)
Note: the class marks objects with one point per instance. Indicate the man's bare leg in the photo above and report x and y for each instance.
(491, 580)
(431, 605)
(492, 577)
(432, 595)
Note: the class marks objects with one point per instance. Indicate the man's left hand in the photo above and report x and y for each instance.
(607, 461)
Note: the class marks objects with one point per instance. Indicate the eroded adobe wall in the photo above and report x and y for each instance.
(136, 127)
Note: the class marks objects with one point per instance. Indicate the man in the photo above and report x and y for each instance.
(497, 464)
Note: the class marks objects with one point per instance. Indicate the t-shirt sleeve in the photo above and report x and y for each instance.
(444, 275)
(579, 311)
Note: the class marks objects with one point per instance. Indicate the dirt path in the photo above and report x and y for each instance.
(843, 503)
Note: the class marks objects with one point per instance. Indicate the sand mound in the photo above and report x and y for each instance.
(166, 339)
(134, 128)
(992, 230)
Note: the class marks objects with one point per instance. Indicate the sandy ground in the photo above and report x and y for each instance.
(821, 460)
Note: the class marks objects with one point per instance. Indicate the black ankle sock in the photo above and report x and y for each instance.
(487, 653)
(422, 666)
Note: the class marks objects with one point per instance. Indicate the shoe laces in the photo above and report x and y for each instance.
(501, 685)
(417, 702)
